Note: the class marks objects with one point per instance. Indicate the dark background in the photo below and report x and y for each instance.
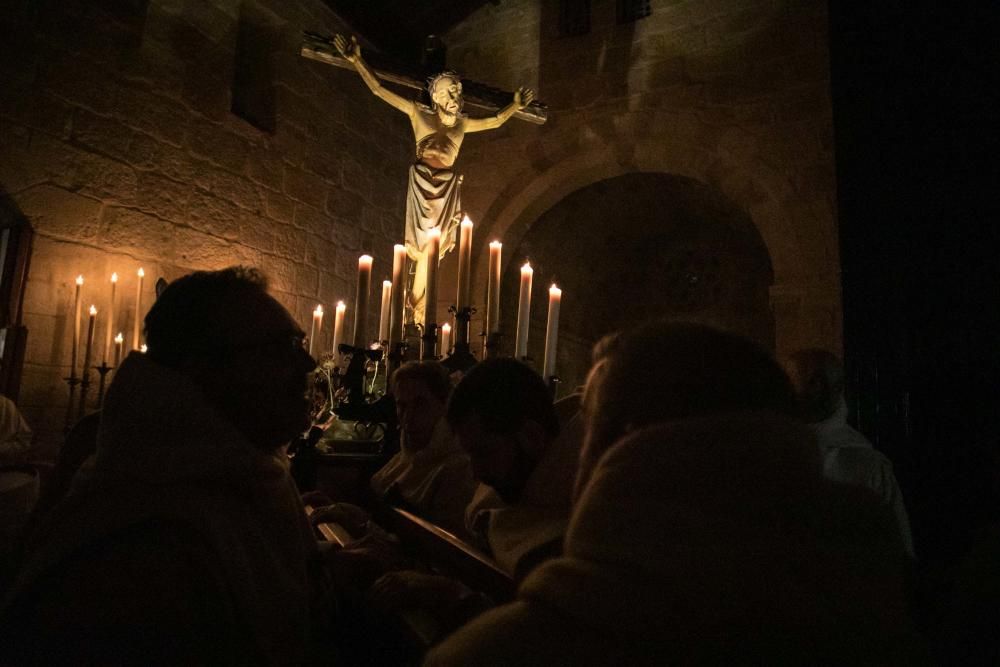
(916, 124)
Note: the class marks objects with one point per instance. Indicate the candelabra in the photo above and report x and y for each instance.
(72, 381)
(461, 359)
(103, 370)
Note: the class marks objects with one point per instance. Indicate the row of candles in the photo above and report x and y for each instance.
(391, 316)
(118, 340)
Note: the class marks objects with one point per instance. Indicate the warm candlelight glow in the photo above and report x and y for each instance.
(383, 322)
(361, 301)
(317, 325)
(120, 338)
(114, 277)
(462, 298)
(493, 288)
(445, 338)
(79, 280)
(430, 289)
(523, 312)
(551, 333)
(88, 350)
(143, 348)
(338, 325)
(396, 298)
(137, 319)
(93, 311)
(76, 326)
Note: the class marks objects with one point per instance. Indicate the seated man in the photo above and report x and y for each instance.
(430, 474)
(503, 417)
(848, 457)
(183, 540)
(703, 531)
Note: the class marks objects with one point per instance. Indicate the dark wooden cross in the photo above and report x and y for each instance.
(476, 95)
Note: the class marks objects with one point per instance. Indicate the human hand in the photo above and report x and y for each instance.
(523, 97)
(406, 589)
(351, 517)
(351, 51)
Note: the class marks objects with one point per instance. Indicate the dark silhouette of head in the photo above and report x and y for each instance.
(664, 371)
(502, 414)
(818, 379)
(241, 347)
(420, 389)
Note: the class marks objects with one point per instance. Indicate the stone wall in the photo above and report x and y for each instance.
(733, 95)
(119, 145)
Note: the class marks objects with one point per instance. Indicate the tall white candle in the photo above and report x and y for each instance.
(430, 291)
(137, 324)
(76, 326)
(523, 312)
(552, 332)
(493, 289)
(361, 302)
(462, 299)
(88, 351)
(111, 319)
(338, 326)
(396, 303)
(317, 326)
(383, 322)
(445, 338)
(119, 342)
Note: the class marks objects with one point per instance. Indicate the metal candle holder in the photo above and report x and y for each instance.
(72, 381)
(103, 369)
(461, 359)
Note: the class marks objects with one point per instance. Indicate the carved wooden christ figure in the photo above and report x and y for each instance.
(433, 197)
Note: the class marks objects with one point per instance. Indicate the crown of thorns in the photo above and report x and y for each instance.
(431, 82)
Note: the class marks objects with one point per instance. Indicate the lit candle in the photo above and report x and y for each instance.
(91, 323)
(361, 302)
(552, 332)
(523, 312)
(462, 299)
(119, 341)
(396, 302)
(111, 319)
(383, 322)
(445, 338)
(317, 326)
(143, 348)
(76, 326)
(137, 324)
(338, 325)
(493, 289)
(430, 290)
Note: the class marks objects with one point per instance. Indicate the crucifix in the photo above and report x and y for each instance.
(433, 196)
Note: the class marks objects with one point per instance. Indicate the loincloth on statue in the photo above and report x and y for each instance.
(433, 199)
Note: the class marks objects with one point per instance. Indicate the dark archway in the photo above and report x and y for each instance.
(639, 246)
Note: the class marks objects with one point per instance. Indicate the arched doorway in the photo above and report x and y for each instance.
(634, 247)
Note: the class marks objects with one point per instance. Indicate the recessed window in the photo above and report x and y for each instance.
(632, 10)
(574, 17)
(253, 74)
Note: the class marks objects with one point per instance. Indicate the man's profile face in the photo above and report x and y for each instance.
(261, 381)
(418, 411)
(498, 460)
(447, 95)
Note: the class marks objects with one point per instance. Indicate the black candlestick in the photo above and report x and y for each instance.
(72, 380)
(103, 369)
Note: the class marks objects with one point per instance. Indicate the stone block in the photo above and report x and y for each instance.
(304, 187)
(344, 204)
(137, 233)
(323, 161)
(257, 232)
(320, 253)
(214, 143)
(102, 133)
(266, 168)
(289, 242)
(346, 266)
(163, 196)
(356, 177)
(37, 110)
(149, 153)
(237, 189)
(279, 207)
(306, 281)
(281, 273)
(311, 219)
(213, 215)
(57, 212)
(345, 235)
(79, 82)
(154, 114)
(204, 251)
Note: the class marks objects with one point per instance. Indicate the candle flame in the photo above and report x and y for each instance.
(496, 244)
(143, 348)
(446, 327)
(399, 247)
(466, 222)
(114, 277)
(435, 232)
(141, 272)
(119, 339)
(555, 291)
(526, 268)
(93, 310)
(341, 306)
(386, 283)
(318, 311)
(79, 280)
